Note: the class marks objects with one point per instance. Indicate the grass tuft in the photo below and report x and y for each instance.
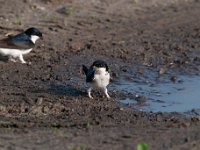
(142, 146)
(18, 21)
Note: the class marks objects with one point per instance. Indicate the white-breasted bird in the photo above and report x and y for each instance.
(15, 46)
(97, 76)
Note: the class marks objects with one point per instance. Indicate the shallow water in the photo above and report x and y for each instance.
(181, 96)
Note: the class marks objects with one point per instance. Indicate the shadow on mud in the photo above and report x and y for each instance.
(61, 89)
(4, 58)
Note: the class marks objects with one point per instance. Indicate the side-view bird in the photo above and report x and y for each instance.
(97, 76)
(15, 46)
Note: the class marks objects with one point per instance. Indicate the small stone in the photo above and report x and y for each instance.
(45, 109)
(185, 124)
(39, 101)
(124, 69)
(159, 118)
(121, 109)
(64, 10)
(141, 100)
(173, 79)
(36, 110)
(2, 108)
(114, 75)
(162, 71)
(195, 119)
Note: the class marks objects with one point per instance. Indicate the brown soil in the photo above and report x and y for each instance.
(45, 106)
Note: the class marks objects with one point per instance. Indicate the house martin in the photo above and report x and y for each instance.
(97, 76)
(15, 46)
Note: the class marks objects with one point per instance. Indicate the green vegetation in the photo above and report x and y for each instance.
(95, 18)
(53, 19)
(9, 33)
(77, 148)
(135, 1)
(34, 6)
(53, 130)
(142, 146)
(18, 21)
(65, 22)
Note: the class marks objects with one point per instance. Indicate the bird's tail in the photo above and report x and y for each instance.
(85, 69)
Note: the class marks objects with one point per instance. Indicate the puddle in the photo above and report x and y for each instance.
(182, 96)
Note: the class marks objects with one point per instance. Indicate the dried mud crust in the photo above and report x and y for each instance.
(45, 106)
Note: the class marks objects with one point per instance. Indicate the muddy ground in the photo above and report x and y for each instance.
(45, 105)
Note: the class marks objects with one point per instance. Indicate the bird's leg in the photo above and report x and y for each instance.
(11, 59)
(106, 92)
(89, 93)
(22, 59)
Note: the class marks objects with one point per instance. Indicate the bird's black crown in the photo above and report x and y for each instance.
(33, 31)
(100, 64)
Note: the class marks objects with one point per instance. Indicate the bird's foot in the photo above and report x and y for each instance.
(108, 97)
(12, 59)
(90, 96)
(22, 59)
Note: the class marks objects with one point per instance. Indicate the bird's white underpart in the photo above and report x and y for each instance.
(101, 80)
(34, 38)
(15, 53)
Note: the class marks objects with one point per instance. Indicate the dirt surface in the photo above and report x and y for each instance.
(45, 105)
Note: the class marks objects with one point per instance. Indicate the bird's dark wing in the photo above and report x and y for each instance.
(90, 75)
(20, 41)
(84, 69)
